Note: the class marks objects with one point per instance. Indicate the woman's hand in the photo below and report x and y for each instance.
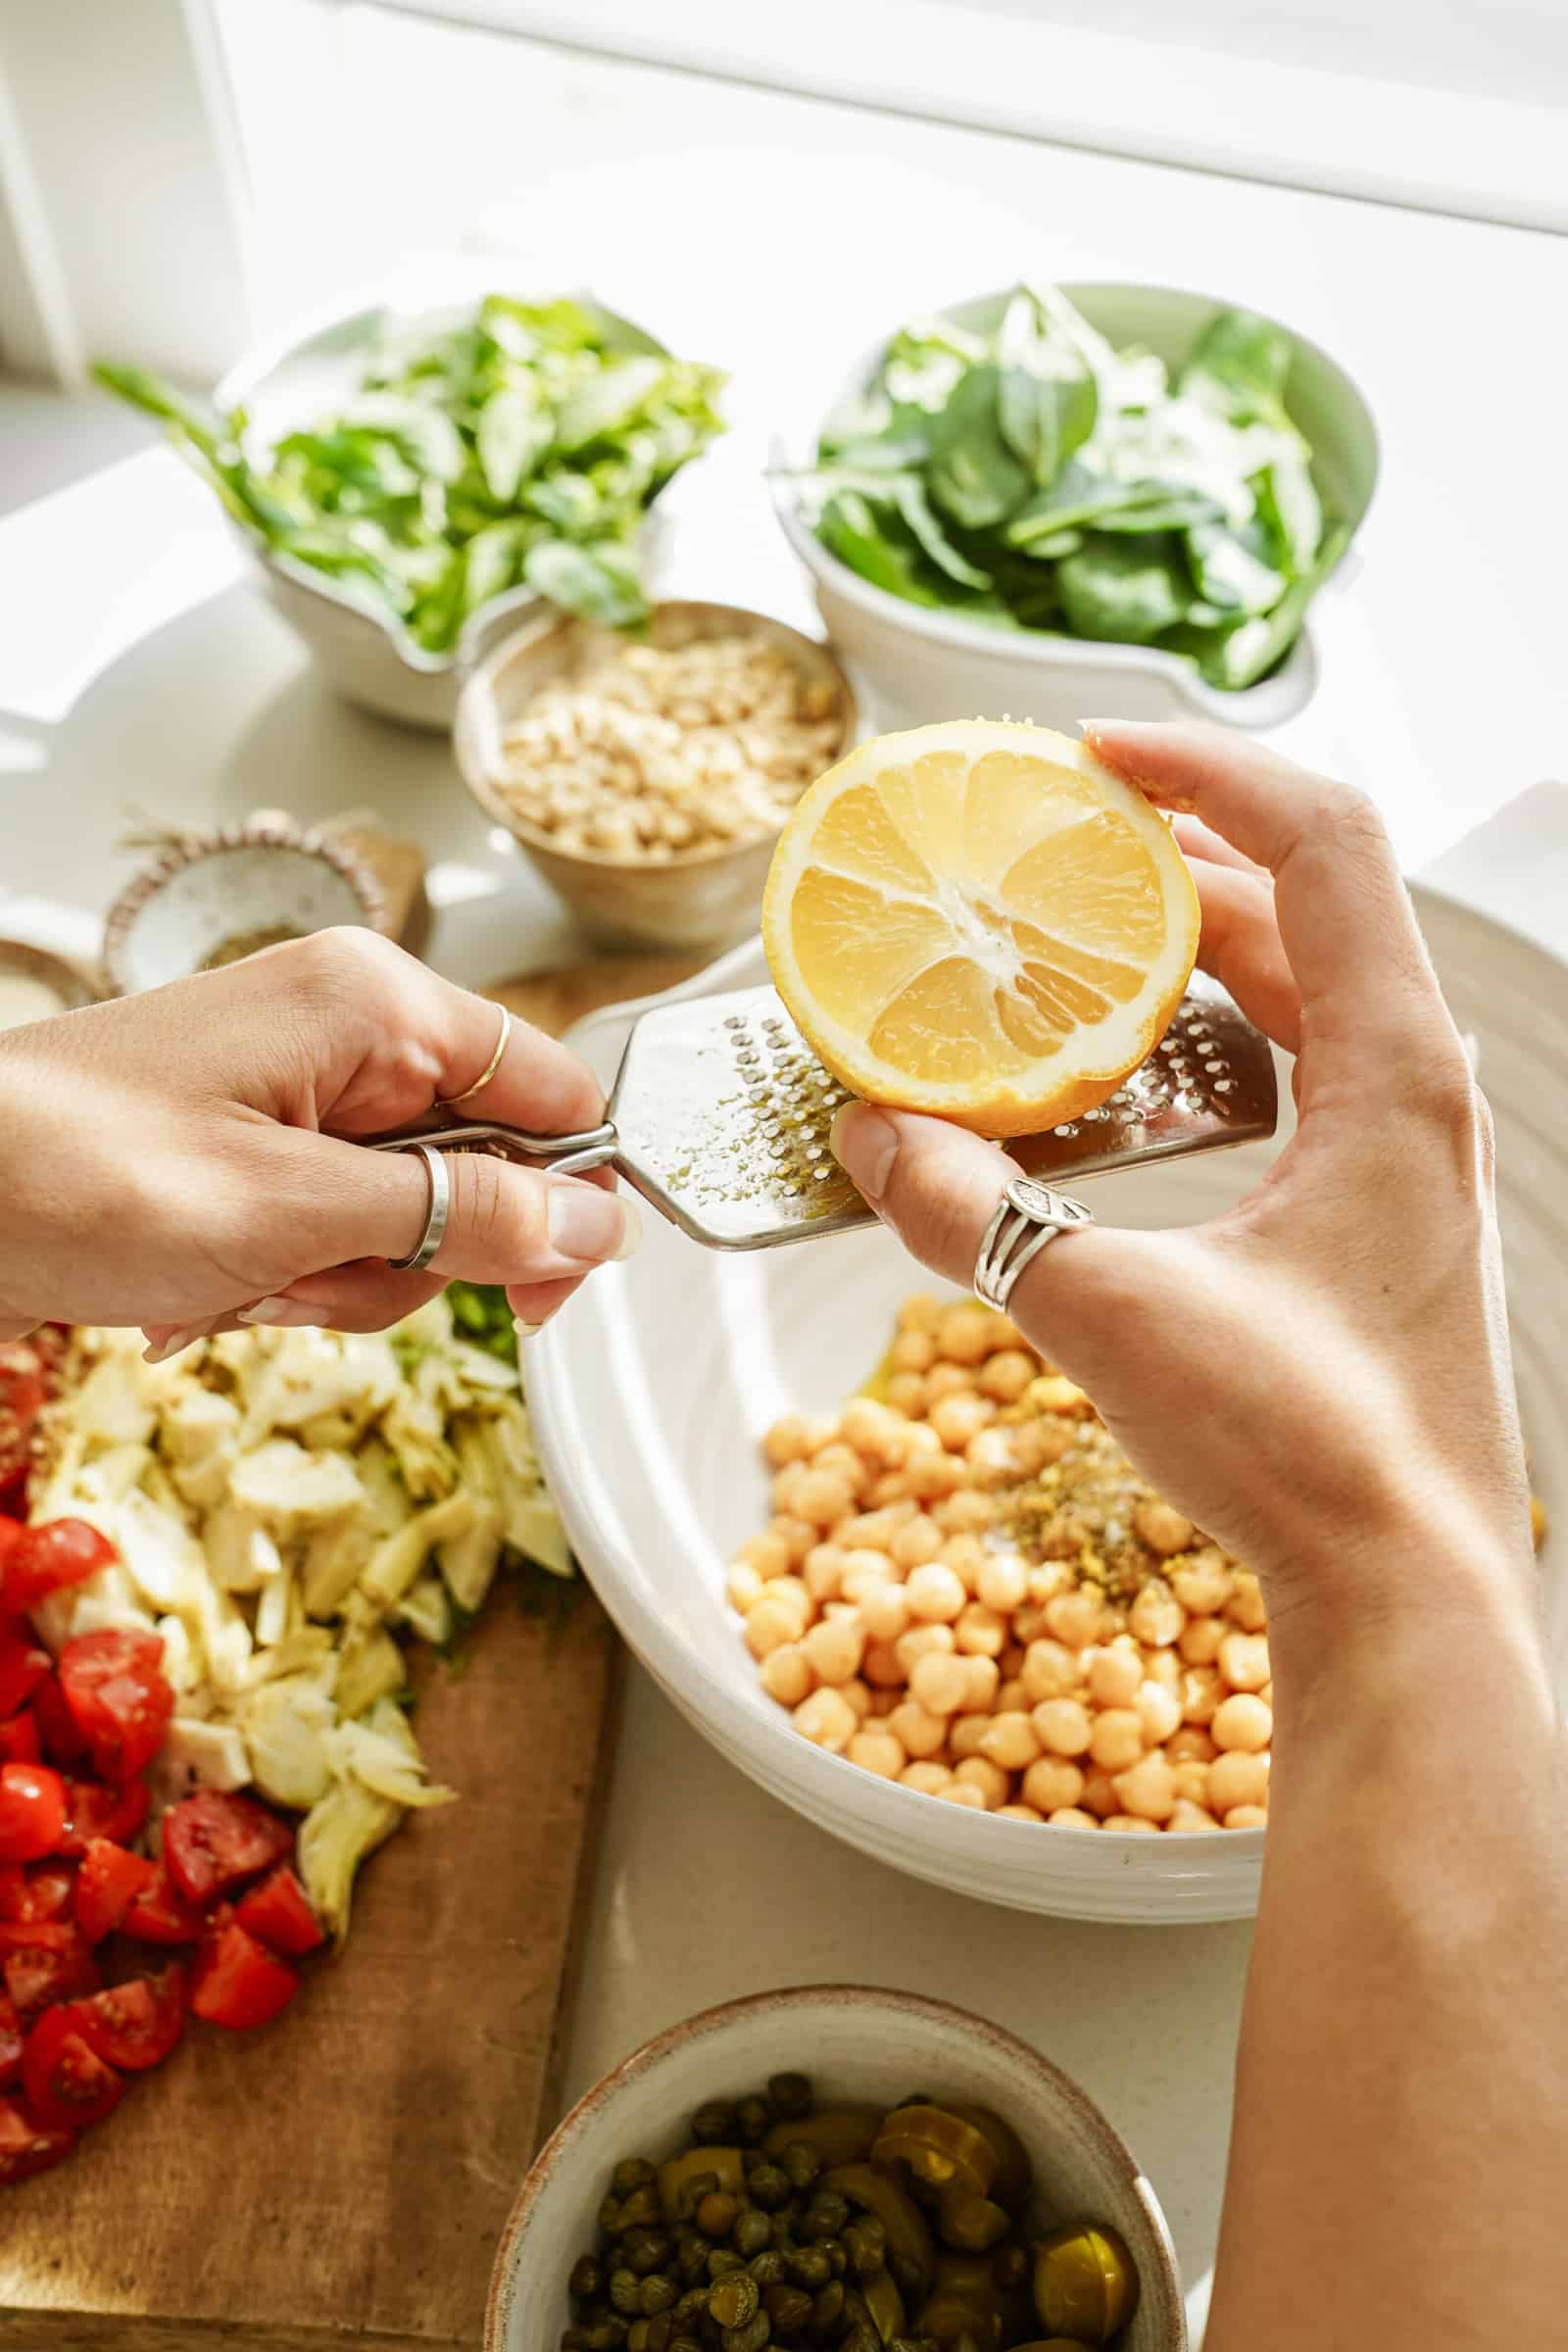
(178, 1160)
(1323, 1370)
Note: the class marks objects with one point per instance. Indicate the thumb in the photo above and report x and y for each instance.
(937, 1186)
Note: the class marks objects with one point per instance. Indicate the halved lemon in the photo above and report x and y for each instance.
(981, 920)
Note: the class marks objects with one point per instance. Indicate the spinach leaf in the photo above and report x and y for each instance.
(599, 581)
(913, 504)
(1046, 400)
(1127, 591)
(1238, 367)
(1248, 652)
(512, 436)
(851, 530)
(972, 475)
(1289, 503)
(1231, 569)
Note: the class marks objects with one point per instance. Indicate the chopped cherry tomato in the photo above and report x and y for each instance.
(28, 2146)
(67, 2084)
(9, 2044)
(136, 2025)
(46, 1560)
(215, 1840)
(122, 1699)
(19, 1741)
(22, 1667)
(158, 1915)
(10, 1529)
(32, 1812)
(62, 1743)
(107, 1883)
(238, 1981)
(44, 1960)
(277, 1914)
(43, 1893)
(94, 1811)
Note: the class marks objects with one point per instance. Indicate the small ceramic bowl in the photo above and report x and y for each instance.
(210, 898)
(704, 898)
(35, 983)
(858, 2044)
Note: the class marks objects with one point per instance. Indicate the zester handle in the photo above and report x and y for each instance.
(565, 1155)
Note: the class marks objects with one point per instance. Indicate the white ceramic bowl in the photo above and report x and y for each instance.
(920, 665)
(205, 892)
(651, 1393)
(858, 2044)
(299, 377)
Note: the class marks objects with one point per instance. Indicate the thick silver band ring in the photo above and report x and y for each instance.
(435, 1223)
(1028, 1217)
(490, 1068)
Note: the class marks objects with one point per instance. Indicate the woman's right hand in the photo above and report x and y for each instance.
(1320, 1377)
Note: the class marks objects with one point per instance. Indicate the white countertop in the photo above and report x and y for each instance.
(139, 677)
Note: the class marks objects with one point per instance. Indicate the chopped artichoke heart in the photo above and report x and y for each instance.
(398, 1561)
(385, 1765)
(468, 1561)
(335, 1558)
(197, 1423)
(339, 1830)
(241, 1552)
(416, 1430)
(426, 1609)
(288, 1726)
(368, 1669)
(197, 1755)
(112, 1407)
(289, 1490)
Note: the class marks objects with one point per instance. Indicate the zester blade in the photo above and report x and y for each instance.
(722, 1112)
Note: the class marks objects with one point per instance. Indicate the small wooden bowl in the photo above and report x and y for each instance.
(702, 899)
(211, 891)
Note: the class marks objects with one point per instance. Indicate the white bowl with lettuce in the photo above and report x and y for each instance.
(409, 478)
(1047, 503)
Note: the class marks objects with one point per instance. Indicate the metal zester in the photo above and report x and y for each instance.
(720, 1112)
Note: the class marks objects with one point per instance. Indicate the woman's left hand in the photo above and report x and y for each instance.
(179, 1159)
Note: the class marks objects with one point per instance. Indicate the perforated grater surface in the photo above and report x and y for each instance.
(720, 1112)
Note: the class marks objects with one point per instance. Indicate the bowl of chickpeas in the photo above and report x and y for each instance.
(647, 776)
(894, 1565)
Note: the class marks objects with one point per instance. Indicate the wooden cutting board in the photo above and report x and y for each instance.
(341, 2177)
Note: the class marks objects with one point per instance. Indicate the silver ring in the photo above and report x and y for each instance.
(435, 1223)
(490, 1068)
(1028, 1217)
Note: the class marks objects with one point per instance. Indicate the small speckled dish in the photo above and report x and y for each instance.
(212, 896)
(859, 2046)
(34, 983)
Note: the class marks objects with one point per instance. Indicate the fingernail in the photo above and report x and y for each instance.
(866, 1145)
(185, 1337)
(592, 1226)
(527, 1331)
(289, 1312)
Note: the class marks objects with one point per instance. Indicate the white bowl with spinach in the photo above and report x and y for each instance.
(1125, 493)
(408, 479)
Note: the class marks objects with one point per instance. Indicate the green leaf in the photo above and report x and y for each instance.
(423, 431)
(1231, 570)
(973, 475)
(495, 560)
(1125, 591)
(1047, 402)
(1289, 503)
(849, 529)
(513, 432)
(606, 403)
(915, 507)
(1238, 367)
(600, 582)
(1248, 652)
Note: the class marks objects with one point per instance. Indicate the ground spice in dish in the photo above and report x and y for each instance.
(247, 943)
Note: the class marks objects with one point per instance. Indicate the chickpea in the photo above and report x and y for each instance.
(877, 1751)
(939, 1683)
(1012, 1660)
(1159, 1711)
(1244, 1722)
(965, 1556)
(1018, 1813)
(962, 1792)
(1063, 1726)
(786, 1674)
(914, 1351)
(1190, 1746)
(1162, 1528)
(1244, 1662)
(907, 1393)
(1236, 1777)
(1148, 1789)
(1011, 1741)
(1098, 1795)
(786, 1486)
(923, 1442)
(1068, 1817)
(918, 1732)
(1200, 1695)
(1049, 1579)
(919, 1312)
(965, 1513)
(980, 1631)
(1201, 1583)
(1006, 1374)
(1246, 1604)
(1192, 1783)
(933, 1477)
(884, 1610)
(935, 1594)
(785, 1442)
(886, 1488)
(1002, 1580)
(919, 1640)
(991, 1455)
(1076, 1619)
(883, 1704)
(978, 1772)
(1048, 1671)
(827, 1719)
(859, 1695)
(1156, 1616)
(875, 1530)
(742, 1585)
(1113, 1676)
(767, 1554)
(835, 1651)
(942, 1381)
(881, 1668)
(1053, 1781)
(1035, 1444)
(1130, 1825)
(1164, 1667)
(875, 1432)
(965, 1333)
(771, 1623)
(1246, 1817)
(1012, 1697)
(1200, 1637)
(929, 1779)
(964, 1735)
(863, 1564)
(1189, 1817)
(959, 1419)
(981, 1681)
(823, 1572)
(799, 1536)
(1117, 1739)
(824, 1496)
